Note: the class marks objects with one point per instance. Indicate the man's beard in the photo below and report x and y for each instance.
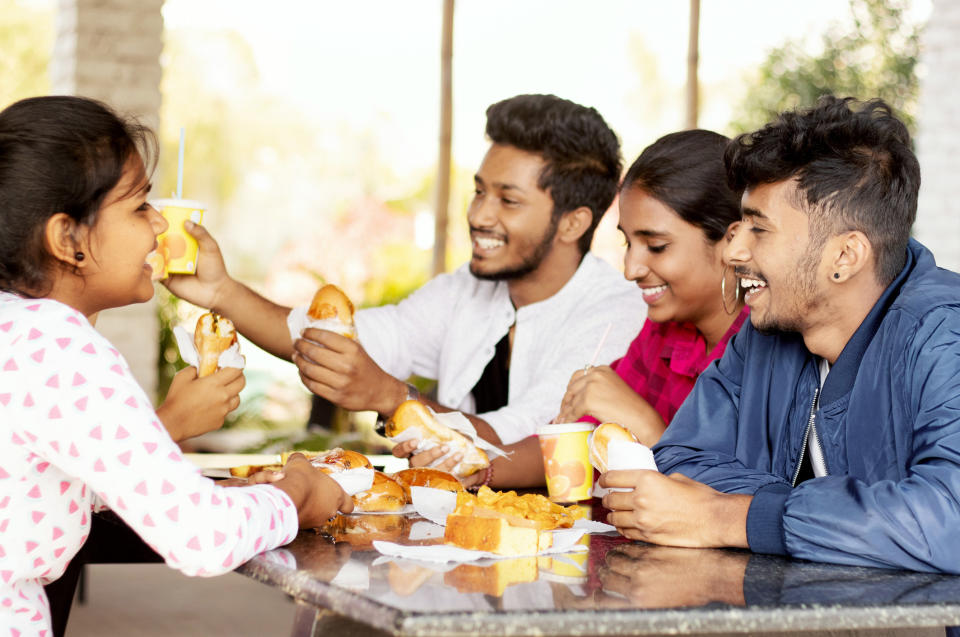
(529, 263)
(806, 297)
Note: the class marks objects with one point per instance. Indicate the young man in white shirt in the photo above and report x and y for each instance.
(502, 334)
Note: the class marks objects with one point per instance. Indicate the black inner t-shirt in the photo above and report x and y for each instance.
(492, 390)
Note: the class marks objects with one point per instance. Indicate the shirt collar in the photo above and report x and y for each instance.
(684, 348)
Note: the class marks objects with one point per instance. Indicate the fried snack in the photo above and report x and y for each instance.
(413, 413)
(386, 494)
(505, 523)
(427, 477)
(213, 335)
(360, 531)
(601, 437)
(492, 579)
(335, 459)
(335, 309)
(247, 470)
(406, 581)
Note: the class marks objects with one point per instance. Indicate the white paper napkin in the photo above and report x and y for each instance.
(353, 481)
(297, 321)
(622, 455)
(188, 351)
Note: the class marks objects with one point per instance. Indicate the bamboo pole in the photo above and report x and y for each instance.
(446, 135)
(693, 46)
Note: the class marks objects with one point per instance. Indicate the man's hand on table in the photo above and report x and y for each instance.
(675, 510)
(339, 369)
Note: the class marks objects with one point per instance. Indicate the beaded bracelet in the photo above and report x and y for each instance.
(486, 479)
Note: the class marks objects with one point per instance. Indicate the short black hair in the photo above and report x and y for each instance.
(57, 154)
(854, 167)
(685, 172)
(582, 153)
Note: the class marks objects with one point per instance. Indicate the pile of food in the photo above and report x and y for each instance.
(506, 523)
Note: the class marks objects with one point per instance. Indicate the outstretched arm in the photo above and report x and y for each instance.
(257, 318)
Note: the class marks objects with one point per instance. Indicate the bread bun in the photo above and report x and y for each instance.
(601, 437)
(341, 459)
(334, 309)
(212, 336)
(247, 470)
(413, 413)
(386, 494)
(361, 531)
(427, 477)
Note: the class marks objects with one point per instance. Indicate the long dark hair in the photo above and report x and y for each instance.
(57, 154)
(685, 172)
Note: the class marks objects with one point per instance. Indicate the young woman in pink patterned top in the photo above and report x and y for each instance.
(76, 431)
(676, 213)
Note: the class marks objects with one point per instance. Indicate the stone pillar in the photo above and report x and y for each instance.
(938, 138)
(110, 50)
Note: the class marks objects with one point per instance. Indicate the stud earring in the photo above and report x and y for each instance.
(79, 256)
(836, 275)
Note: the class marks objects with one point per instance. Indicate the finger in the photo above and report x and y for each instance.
(426, 458)
(235, 386)
(346, 503)
(451, 462)
(406, 448)
(629, 479)
(233, 403)
(623, 520)
(330, 340)
(204, 238)
(614, 582)
(318, 373)
(266, 477)
(619, 501)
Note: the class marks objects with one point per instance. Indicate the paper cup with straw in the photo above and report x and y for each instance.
(178, 248)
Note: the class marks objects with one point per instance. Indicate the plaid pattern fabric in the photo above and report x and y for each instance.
(665, 359)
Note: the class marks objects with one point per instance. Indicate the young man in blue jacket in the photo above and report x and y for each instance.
(830, 429)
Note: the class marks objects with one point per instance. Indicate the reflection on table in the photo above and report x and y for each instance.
(617, 586)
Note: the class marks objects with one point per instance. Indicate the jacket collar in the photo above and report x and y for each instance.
(844, 370)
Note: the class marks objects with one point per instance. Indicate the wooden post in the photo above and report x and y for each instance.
(443, 157)
(693, 46)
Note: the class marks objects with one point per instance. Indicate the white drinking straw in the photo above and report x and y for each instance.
(596, 352)
(180, 167)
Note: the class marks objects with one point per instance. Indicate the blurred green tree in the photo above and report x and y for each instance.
(26, 42)
(876, 58)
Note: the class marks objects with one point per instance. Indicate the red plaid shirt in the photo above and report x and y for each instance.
(665, 359)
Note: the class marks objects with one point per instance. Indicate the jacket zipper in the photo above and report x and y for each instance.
(806, 436)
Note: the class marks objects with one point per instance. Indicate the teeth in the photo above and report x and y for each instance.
(752, 283)
(653, 291)
(487, 243)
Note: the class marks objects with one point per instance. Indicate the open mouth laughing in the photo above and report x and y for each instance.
(752, 288)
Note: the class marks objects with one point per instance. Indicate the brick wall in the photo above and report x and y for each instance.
(110, 50)
(938, 138)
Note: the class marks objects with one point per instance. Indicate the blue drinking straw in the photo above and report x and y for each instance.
(180, 167)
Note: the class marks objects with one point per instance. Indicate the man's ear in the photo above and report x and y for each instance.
(853, 255)
(574, 224)
(60, 236)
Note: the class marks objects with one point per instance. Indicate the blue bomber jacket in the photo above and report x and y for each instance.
(888, 419)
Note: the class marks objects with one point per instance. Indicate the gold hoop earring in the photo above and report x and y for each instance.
(723, 293)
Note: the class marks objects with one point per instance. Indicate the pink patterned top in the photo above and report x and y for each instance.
(665, 359)
(78, 433)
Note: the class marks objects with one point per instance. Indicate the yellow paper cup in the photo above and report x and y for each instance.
(566, 461)
(176, 245)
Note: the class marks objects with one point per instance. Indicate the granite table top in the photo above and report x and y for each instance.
(618, 587)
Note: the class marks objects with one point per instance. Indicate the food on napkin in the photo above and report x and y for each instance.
(350, 469)
(332, 310)
(360, 531)
(427, 477)
(494, 578)
(506, 523)
(212, 336)
(413, 419)
(600, 440)
(386, 494)
(334, 460)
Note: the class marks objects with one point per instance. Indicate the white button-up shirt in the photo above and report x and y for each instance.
(448, 330)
